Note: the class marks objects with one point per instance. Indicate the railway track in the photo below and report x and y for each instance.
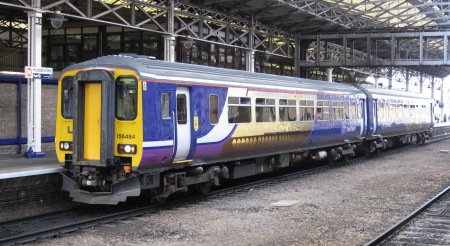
(54, 224)
(428, 225)
(24, 230)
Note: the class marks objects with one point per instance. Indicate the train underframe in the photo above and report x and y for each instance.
(111, 185)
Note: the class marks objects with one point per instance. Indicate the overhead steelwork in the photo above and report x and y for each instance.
(377, 50)
(329, 32)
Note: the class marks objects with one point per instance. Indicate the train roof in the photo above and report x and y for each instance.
(377, 92)
(153, 69)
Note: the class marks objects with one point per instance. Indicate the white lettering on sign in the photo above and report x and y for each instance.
(38, 72)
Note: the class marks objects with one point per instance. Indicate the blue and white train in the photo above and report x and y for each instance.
(128, 124)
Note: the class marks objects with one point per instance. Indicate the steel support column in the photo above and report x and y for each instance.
(407, 79)
(432, 87)
(421, 82)
(297, 56)
(330, 74)
(442, 100)
(250, 60)
(169, 40)
(34, 84)
(390, 78)
(169, 48)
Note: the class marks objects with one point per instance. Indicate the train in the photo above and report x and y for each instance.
(129, 125)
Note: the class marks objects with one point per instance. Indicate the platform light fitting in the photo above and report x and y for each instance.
(187, 42)
(57, 18)
(352, 73)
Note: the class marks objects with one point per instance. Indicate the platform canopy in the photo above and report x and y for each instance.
(309, 17)
(303, 17)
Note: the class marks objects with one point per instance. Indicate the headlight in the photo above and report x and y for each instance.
(65, 145)
(126, 148)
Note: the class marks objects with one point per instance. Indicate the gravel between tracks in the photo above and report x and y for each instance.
(346, 205)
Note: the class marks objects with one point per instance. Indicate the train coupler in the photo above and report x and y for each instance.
(120, 191)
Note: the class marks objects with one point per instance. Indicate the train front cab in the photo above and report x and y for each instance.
(99, 134)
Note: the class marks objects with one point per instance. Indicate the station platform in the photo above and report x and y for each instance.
(16, 166)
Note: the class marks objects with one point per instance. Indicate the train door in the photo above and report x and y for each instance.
(92, 120)
(361, 116)
(183, 124)
(374, 116)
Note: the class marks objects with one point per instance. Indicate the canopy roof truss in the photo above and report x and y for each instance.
(264, 25)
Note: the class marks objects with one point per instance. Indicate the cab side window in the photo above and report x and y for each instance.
(126, 98)
(67, 97)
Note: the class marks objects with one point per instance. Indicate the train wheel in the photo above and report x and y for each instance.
(366, 150)
(346, 159)
(330, 161)
(203, 188)
(378, 151)
(156, 196)
(161, 200)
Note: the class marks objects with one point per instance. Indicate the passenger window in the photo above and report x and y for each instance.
(213, 109)
(346, 110)
(306, 110)
(265, 110)
(165, 105)
(67, 97)
(126, 98)
(353, 111)
(411, 110)
(323, 110)
(287, 110)
(385, 110)
(399, 110)
(181, 109)
(239, 109)
(338, 110)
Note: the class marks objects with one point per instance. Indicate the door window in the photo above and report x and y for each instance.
(181, 109)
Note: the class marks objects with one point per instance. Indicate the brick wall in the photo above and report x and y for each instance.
(9, 108)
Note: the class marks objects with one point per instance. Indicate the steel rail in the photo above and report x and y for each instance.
(122, 215)
(389, 232)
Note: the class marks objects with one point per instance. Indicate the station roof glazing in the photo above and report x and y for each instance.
(330, 16)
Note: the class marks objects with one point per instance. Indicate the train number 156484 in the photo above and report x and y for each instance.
(125, 136)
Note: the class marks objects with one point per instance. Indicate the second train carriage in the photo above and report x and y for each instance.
(396, 116)
(128, 123)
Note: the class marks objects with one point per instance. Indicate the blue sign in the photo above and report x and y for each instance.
(42, 76)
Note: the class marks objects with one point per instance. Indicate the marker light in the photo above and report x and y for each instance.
(126, 148)
(65, 145)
